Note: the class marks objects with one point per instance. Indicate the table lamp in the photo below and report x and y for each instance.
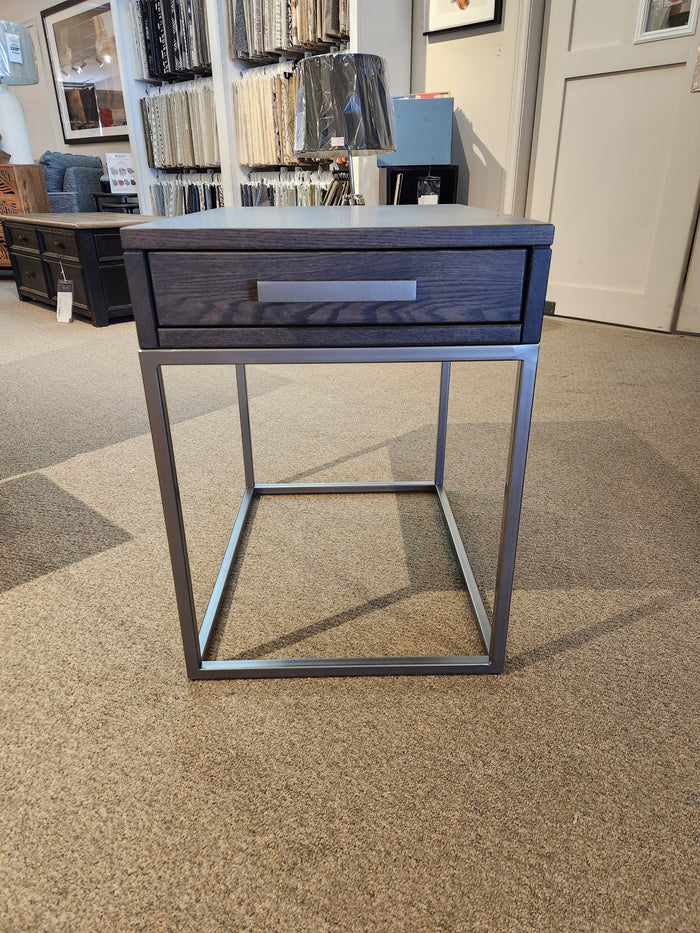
(17, 66)
(343, 107)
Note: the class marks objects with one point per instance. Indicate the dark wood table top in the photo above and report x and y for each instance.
(382, 227)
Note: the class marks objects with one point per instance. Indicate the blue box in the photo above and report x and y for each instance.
(423, 132)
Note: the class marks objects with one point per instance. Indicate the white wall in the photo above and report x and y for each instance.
(39, 100)
(487, 73)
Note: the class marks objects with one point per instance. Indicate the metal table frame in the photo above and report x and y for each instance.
(196, 637)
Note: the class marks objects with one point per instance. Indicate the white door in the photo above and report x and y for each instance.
(616, 160)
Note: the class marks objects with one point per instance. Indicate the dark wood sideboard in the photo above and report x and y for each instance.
(86, 246)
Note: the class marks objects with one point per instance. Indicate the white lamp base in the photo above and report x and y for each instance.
(13, 128)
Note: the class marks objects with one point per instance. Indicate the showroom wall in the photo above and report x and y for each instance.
(493, 82)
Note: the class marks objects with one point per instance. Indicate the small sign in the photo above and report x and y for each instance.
(64, 301)
(14, 48)
(120, 169)
(338, 142)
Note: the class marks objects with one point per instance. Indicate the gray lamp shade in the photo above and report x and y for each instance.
(343, 105)
(17, 65)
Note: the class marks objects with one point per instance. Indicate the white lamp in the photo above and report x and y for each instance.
(17, 66)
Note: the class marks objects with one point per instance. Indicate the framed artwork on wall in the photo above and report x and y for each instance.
(448, 15)
(666, 19)
(85, 70)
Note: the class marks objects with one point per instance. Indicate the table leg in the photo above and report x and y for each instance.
(154, 392)
(515, 477)
(442, 423)
(244, 414)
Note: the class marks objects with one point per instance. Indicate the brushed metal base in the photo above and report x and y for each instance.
(196, 638)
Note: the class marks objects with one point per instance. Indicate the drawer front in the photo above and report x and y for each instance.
(115, 288)
(420, 287)
(73, 274)
(109, 245)
(22, 236)
(31, 275)
(60, 242)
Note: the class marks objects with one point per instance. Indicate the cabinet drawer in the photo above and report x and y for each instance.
(22, 236)
(31, 274)
(73, 274)
(60, 242)
(339, 288)
(109, 246)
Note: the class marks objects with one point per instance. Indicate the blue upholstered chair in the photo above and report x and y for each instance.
(71, 181)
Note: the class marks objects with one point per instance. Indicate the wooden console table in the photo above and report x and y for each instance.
(86, 246)
(343, 285)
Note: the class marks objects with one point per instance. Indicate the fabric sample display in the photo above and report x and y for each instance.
(262, 30)
(186, 194)
(300, 188)
(264, 112)
(180, 125)
(170, 36)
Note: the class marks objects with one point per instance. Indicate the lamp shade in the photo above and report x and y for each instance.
(343, 105)
(17, 65)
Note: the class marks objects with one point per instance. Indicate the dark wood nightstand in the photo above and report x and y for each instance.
(338, 285)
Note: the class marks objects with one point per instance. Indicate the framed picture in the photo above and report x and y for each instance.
(666, 19)
(446, 15)
(85, 70)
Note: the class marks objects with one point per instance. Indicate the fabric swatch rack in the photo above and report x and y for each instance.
(261, 30)
(299, 188)
(186, 194)
(170, 38)
(180, 126)
(264, 112)
(169, 42)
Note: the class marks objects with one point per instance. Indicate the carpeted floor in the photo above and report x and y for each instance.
(560, 796)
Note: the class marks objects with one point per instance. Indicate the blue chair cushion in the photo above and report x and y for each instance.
(56, 163)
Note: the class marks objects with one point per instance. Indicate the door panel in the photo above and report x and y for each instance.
(616, 164)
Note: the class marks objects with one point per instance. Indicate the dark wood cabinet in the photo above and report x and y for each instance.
(84, 248)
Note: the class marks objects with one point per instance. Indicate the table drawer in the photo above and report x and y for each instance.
(22, 236)
(339, 288)
(60, 242)
(31, 274)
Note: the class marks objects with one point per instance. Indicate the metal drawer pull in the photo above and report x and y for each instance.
(381, 290)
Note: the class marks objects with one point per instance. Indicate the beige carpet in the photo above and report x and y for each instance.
(560, 796)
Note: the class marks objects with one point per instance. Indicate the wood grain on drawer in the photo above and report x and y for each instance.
(60, 242)
(452, 287)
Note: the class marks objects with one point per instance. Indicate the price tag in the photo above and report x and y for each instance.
(64, 301)
(14, 48)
